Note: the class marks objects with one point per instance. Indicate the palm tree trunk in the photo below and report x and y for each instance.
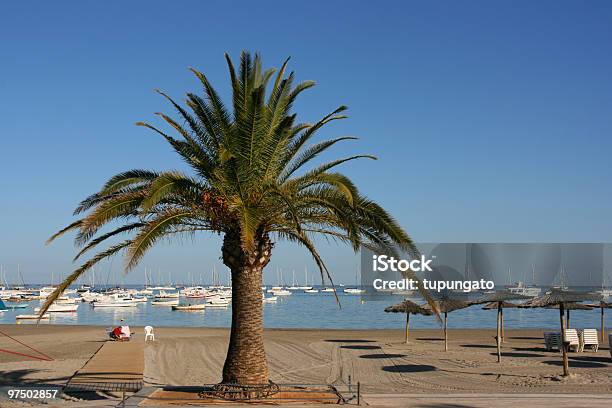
(246, 361)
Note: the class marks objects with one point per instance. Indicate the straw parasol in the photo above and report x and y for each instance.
(498, 300)
(561, 298)
(408, 307)
(571, 306)
(446, 304)
(602, 305)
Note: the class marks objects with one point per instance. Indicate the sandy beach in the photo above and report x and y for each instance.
(378, 359)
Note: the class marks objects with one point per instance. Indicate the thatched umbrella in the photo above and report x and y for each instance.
(570, 306)
(446, 305)
(498, 300)
(602, 305)
(408, 307)
(561, 298)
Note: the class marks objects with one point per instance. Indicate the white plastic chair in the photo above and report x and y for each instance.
(149, 333)
(589, 338)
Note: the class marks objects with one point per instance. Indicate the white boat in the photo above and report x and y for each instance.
(217, 302)
(270, 299)
(353, 291)
(163, 288)
(199, 306)
(605, 292)
(31, 317)
(327, 290)
(522, 289)
(45, 291)
(281, 292)
(311, 291)
(65, 300)
(113, 303)
(165, 302)
(54, 308)
(166, 295)
(274, 289)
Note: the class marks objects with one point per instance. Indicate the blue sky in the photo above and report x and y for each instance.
(492, 120)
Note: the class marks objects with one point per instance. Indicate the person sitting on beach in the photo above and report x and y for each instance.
(115, 334)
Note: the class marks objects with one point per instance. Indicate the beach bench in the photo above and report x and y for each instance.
(588, 337)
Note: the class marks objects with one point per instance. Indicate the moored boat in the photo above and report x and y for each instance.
(55, 308)
(189, 307)
(31, 316)
(165, 302)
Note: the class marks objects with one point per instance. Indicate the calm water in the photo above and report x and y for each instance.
(302, 310)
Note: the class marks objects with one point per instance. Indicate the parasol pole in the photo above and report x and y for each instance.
(567, 323)
(498, 337)
(602, 322)
(407, 326)
(563, 340)
(445, 332)
(502, 324)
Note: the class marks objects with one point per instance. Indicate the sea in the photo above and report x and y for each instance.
(313, 311)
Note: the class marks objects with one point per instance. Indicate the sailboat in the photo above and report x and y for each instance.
(293, 287)
(305, 287)
(356, 290)
(605, 292)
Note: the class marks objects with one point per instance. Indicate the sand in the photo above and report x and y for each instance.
(382, 363)
(378, 359)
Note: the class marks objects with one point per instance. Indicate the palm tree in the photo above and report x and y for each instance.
(252, 182)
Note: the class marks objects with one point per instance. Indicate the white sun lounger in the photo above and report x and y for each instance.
(574, 341)
(588, 338)
(552, 340)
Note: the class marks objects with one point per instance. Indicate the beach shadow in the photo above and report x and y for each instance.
(381, 356)
(596, 359)
(409, 368)
(15, 376)
(524, 338)
(18, 378)
(430, 338)
(535, 349)
(577, 364)
(349, 341)
(88, 395)
(511, 354)
(486, 346)
(364, 347)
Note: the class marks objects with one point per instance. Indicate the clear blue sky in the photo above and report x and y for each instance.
(492, 120)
